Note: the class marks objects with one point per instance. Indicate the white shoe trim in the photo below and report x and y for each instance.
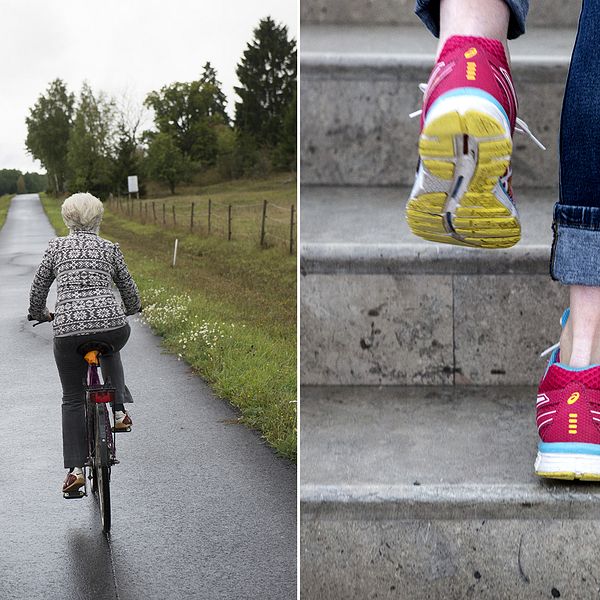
(579, 464)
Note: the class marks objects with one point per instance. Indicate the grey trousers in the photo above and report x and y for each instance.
(72, 370)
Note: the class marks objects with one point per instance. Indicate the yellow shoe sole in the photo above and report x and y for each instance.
(568, 475)
(480, 220)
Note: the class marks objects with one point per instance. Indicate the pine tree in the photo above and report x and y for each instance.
(267, 75)
(216, 101)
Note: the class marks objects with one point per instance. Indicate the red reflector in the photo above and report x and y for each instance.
(102, 396)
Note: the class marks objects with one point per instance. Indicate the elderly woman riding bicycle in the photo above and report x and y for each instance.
(85, 267)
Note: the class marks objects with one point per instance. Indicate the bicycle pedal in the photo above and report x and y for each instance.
(75, 495)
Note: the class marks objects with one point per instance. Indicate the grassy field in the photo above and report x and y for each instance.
(227, 308)
(242, 222)
(4, 204)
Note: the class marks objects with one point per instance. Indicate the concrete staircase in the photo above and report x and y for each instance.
(419, 361)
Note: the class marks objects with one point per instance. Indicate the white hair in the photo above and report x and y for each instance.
(82, 212)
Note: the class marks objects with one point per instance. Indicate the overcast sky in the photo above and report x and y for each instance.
(123, 47)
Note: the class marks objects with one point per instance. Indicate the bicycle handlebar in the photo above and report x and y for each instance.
(30, 318)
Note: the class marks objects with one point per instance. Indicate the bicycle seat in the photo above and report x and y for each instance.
(90, 350)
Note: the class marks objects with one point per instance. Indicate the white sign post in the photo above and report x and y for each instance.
(132, 186)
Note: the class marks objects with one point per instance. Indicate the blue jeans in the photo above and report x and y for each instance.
(575, 256)
(576, 249)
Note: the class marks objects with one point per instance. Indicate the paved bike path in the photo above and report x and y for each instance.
(201, 508)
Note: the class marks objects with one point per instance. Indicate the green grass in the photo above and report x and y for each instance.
(228, 309)
(246, 198)
(4, 204)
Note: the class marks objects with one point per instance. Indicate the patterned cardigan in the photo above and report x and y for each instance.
(84, 266)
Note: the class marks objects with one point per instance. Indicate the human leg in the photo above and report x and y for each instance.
(568, 410)
(472, 13)
(576, 252)
(480, 18)
(112, 368)
(72, 369)
(111, 364)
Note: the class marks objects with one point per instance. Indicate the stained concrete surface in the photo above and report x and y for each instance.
(376, 215)
(201, 507)
(427, 492)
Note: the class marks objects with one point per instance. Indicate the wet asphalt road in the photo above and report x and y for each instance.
(201, 508)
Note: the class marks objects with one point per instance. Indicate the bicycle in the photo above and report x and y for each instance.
(99, 428)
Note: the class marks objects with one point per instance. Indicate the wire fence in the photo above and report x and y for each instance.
(267, 223)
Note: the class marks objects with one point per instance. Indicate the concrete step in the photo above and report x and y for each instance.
(430, 493)
(380, 306)
(549, 13)
(359, 85)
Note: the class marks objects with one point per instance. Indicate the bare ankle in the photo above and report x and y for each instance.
(482, 18)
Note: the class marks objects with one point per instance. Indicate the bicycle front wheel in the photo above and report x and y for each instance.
(102, 466)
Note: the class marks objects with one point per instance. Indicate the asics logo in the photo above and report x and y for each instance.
(471, 52)
(573, 398)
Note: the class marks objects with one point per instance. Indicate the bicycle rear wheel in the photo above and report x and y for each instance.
(102, 477)
(102, 466)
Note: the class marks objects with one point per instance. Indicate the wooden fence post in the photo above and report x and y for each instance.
(174, 219)
(229, 223)
(154, 211)
(140, 212)
(164, 214)
(292, 229)
(263, 223)
(146, 213)
(192, 218)
(209, 211)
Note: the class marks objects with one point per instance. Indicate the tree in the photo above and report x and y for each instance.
(8, 181)
(90, 143)
(21, 189)
(211, 87)
(48, 129)
(126, 158)
(190, 113)
(34, 182)
(267, 75)
(127, 153)
(165, 161)
(286, 151)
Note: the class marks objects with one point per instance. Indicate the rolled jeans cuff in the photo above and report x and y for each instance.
(429, 12)
(575, 258)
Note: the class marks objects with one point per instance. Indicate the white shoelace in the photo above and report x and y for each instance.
(554, 346)
(551, 349)
(522, 126)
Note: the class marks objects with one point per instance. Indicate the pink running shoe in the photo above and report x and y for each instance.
(568, 421)
(462, 192)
